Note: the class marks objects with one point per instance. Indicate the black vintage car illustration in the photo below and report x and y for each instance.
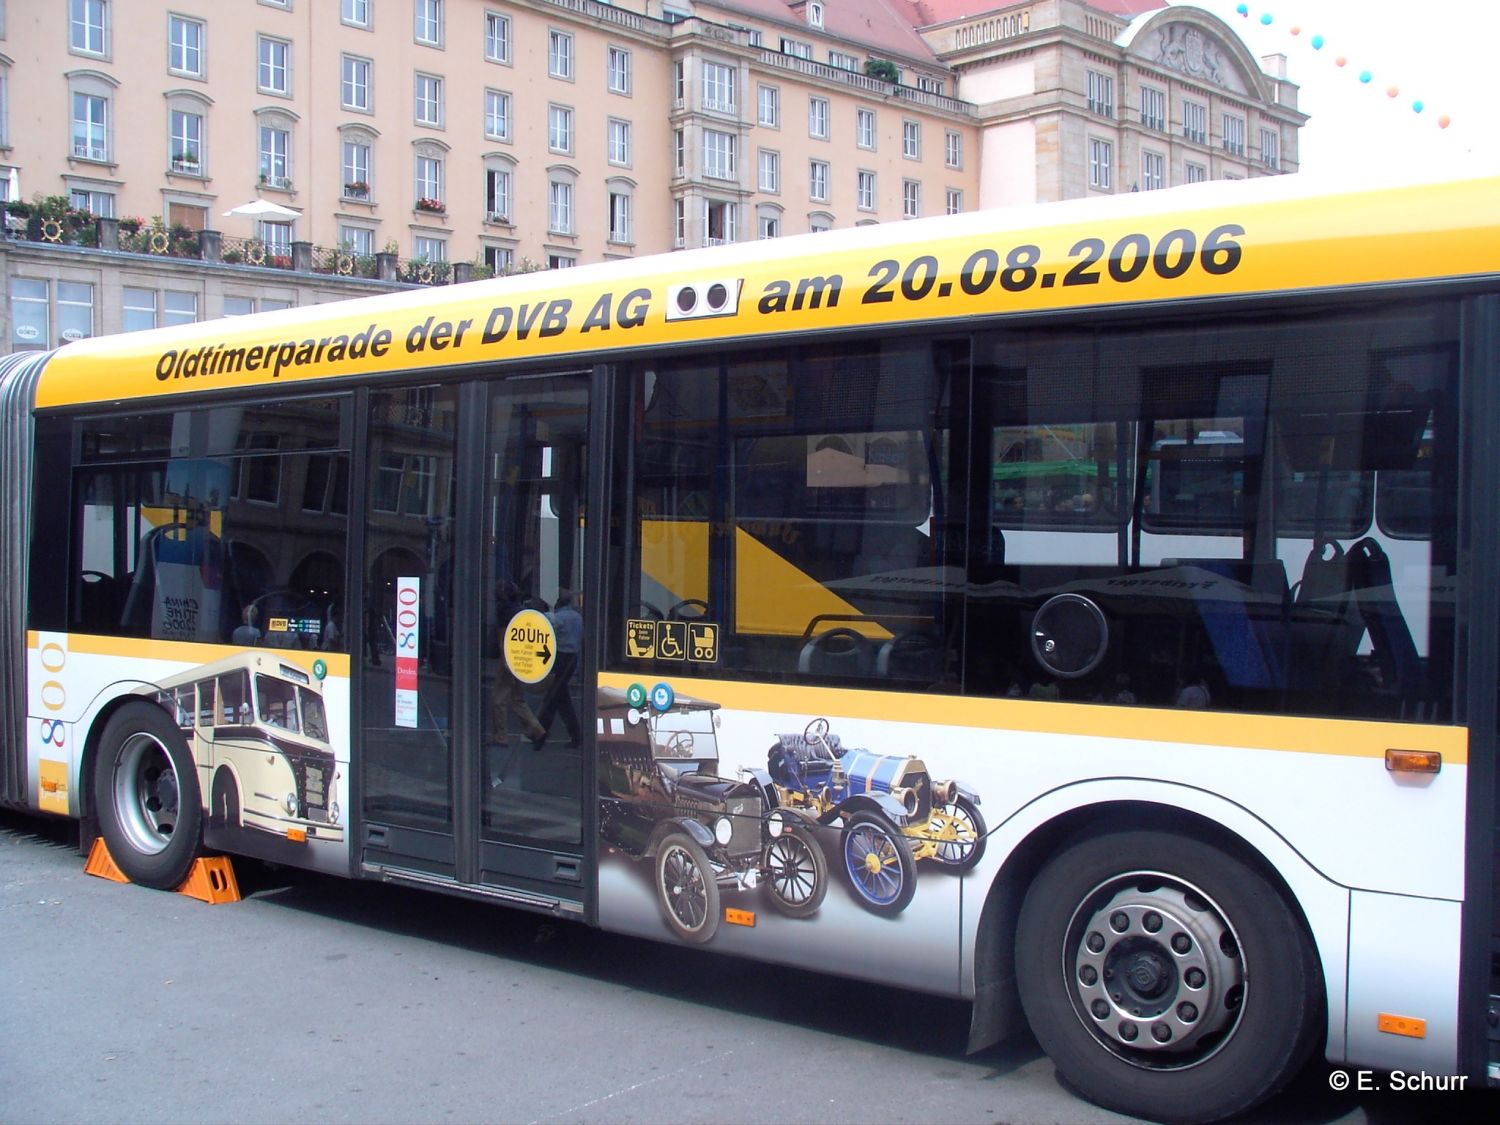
(891, 810)
(662, 798)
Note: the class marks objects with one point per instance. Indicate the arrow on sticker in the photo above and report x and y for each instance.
(545, 653)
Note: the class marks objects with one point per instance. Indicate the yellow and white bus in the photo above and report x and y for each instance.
(1133, 564)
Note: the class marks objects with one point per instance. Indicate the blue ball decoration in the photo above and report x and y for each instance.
(1365, 76)
(1317, 42)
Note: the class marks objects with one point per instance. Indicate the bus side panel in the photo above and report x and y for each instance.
(1028, 763)
(74, 684)
(1403, 983)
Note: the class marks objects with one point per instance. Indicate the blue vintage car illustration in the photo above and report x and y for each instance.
(891, 811)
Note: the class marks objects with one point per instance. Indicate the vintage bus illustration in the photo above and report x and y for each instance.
(258, 734)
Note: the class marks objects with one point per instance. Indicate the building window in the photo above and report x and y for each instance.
(30, 320)
(355, 13)
(819, 223)
(769, 169)
(718, 222)
(864, 191)
(953, 149)
(90, 127)
(497, 195)
(1101, 94)
(817, 118)
(278, 238)
(930, 85)
(1153, 171)
(559, 207)
(718, 154)
(356, 170)
(75, 310)
(359, 241)
(429, 22)
(100, 204)
(497, 115)
(842, 60)
(796, 48)
(618, 72)
(911, 199)
(953, 202)
(560, 128)
(768, 106)
(718, 87)
(356, 83)
(186, 143)
(770, 224)
(87, 27)
(679, 152)
(679, 223)
(817, 180)
(425, 248)
(815, 14)
(428, 108)
(1195, 173)
(911, 140)
(864, 128)
(1234, 134)
(185, 46)
(1101, 161)
(429, 182)
(619, 142)
(1154, 108)
(619, 217)
(496, 37)
(560, 54)
(679, 84)
(139, 307)
(1195, 122)
(273, 74)
(561, 261)
(1270, 149)
(500, 259)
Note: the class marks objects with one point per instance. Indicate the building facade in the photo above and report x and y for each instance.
(275, 152)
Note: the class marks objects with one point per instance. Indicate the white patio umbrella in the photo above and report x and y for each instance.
(263, 209)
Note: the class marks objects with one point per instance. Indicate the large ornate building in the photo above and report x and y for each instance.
(274, 152)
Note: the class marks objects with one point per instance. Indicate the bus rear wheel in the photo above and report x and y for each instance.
(1165, 977)
(146, 794)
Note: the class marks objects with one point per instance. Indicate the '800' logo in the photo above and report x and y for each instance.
(54, 696)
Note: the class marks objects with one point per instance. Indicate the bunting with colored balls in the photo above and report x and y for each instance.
(1318, 41)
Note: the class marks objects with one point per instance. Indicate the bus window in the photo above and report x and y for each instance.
(1195, 479)
(796, 499)
(277, 701)
(206, 709)
(234, 696)
(314, 718)
(1067, 473)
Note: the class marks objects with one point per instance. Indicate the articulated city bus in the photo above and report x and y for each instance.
(1089, 611)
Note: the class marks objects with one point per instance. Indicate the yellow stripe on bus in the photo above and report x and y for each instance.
(1180, 245)
(1338, 737)
(191, 652)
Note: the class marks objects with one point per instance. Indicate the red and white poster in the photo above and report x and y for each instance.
(408, 644)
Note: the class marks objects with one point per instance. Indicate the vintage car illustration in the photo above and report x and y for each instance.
(891, 810)
(662, 799)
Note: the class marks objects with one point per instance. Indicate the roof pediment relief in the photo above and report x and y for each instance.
(1196, 54)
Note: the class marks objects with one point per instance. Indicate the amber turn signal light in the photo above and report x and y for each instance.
(1413, 761)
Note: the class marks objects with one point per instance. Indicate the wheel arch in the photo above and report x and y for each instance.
(1209, 819)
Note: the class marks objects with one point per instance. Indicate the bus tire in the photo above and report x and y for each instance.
(147, 799)
(1165, 977)
(687, 888)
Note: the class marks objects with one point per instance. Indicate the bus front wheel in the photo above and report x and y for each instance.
(146, 794)
(1165, 977)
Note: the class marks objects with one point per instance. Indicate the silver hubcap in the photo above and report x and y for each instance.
(1156, 971)
(146, 794)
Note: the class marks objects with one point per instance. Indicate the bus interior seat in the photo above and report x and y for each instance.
(911, 656)
(836, 652)
(1242, 617)
(1390, 638)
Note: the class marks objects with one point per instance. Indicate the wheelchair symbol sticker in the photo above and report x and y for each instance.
(672, 640)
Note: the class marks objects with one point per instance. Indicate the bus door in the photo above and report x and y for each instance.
(473, 632)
